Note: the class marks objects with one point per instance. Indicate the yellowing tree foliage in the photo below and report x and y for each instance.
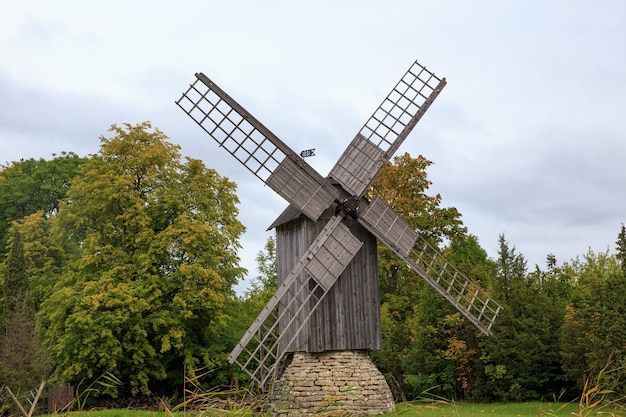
(152, 244)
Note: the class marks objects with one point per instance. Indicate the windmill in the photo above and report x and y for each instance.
(300, 314)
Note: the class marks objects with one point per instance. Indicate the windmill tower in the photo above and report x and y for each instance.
(327, 298)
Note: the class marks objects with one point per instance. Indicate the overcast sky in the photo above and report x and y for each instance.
(527, 138)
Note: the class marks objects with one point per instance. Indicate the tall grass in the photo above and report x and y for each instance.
(219, 401)
(599, 396)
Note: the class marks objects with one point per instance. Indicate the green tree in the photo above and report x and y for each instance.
(267, 280)
(244, 309)
(154, 258)
(621, 248)
(22, 359)
(15, 283)
(595, 322)
(444, 354)
(464, 346)
(521, 359)
(405, 312)
(554, 281)
(426, 363)
(32, 185)
(403, 186)
(44, 255)
(511, 269)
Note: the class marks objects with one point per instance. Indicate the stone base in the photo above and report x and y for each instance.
(331, 383)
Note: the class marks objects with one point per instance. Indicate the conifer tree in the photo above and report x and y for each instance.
(521, 357)
(621, 248)
(403, 185)
(22, 360)
(15, 282)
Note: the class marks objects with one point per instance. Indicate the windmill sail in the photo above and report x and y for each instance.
(280, 322)
(282, 325)
(466, 296)
(384, 132)
(256, 147)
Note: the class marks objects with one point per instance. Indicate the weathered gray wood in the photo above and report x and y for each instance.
(329, 261)
(357, 165)
(306, 190)
(434, 268)
(387, 128)
(278, 328)
(328, 280)
(348, 317)
(397, 233)
(256, 147)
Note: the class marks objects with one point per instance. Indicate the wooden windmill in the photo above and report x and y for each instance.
(327, 298)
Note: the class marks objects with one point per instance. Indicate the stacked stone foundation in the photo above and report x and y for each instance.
(331, 383)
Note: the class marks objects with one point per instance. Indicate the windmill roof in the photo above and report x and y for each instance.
(289, 214)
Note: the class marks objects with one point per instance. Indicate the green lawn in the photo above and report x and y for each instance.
(116, 413)
(433, 409)
(529, 409)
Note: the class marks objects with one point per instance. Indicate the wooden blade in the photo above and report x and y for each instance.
(280, 322)
(472, 301)
(385, 131)
(256, 147)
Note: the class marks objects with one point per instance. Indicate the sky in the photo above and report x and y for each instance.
(527, 139)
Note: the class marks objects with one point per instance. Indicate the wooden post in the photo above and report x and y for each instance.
(34, 403)
(60, 398)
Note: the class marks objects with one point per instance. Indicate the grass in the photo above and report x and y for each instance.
(445, 409)
(597, 399)
(433, 409)
(116, 413)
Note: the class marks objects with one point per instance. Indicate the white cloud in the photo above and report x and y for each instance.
(526, 139)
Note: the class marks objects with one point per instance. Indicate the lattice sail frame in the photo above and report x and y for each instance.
(432, 266)
(261, 348)
(256, 147)
(278, 325)
(384, 132)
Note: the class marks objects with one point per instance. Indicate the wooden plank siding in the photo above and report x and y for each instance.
(349, 316)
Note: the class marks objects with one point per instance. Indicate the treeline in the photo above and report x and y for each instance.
(124, 263)
(561, 326)
(121, 263)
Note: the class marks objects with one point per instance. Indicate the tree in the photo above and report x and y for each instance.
(243, 310)
(32, 185)
(443, 356)
(15, 283)
(595, 322)
(22, 360)
(464, 348)
(30, 191)
(511, 268)
(154, 256)
(44, 255)
(403, 185)
(267, 280)
(521, 359)
(621, 248)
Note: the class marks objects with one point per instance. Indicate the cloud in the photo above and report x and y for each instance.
(38, 123)
(527, 138)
